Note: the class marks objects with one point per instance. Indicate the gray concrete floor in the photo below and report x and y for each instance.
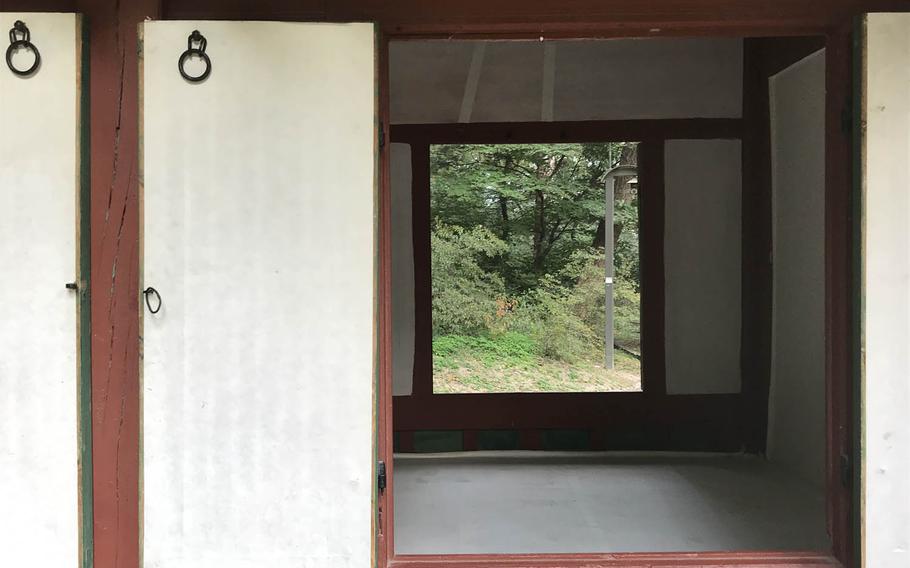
(535, 502)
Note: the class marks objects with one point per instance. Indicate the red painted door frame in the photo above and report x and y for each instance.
(838, 332)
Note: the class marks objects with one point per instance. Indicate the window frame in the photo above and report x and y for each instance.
(531, 412)
(421, 226)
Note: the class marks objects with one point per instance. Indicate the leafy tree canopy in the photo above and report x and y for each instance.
(544, 202)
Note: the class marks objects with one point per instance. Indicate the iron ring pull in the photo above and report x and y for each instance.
(20, 29)
(148, 292)
(198, 39)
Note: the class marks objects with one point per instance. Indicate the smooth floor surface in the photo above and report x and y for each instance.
(534, 502)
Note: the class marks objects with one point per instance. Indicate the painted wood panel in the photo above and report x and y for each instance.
(796, 422)
(39, 190)
(403, 305)
(525, 81)
(702, 256)
(259, 233)
(886, 297)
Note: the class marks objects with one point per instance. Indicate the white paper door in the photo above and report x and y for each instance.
(885, 108)
(39, 387)
(259, 235)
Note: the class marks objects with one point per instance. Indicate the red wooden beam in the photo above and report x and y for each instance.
(563, 410)
(421, 218)
(116, 336)
(533, 18)
(755, 357)
(653, 284)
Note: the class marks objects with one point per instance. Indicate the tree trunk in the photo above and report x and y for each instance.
(504, 214)
(600, 235)
(628, 156)
(540, 228)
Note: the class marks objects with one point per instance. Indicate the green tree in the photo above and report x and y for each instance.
(465, 295)
(544, 201)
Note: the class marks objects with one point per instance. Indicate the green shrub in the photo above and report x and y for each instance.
(587, 299)
(587, 293)
(549, 319)
(627, 315)
(509, 348)
(466, 298)
(561, 318)
(626, 258)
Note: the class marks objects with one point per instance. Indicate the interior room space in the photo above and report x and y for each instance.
(608, 292)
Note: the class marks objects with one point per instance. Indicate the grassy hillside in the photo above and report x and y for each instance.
(464, 364)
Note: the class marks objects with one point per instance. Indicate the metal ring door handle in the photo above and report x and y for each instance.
(199, 40)
(20, 30)
(148, 292)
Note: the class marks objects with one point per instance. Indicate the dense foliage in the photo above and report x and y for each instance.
(545, 201)
(518, 247)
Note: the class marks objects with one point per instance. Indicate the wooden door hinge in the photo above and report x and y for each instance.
(381, 477)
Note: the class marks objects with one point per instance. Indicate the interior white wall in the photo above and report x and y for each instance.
(39, 155)
(260, 234)
(702, 264)
(402, 271)
(457, 81)
(796, 408)
(886, 314)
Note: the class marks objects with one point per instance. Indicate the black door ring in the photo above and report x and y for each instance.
(20, 38)
(148, 292)
(191, 51)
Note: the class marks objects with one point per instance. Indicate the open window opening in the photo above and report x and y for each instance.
(535, 270)
(711, 154)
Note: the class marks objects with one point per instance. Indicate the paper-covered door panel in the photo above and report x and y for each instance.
(883, 110)
(259, 193)
(44, 383)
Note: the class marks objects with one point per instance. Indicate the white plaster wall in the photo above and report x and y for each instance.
(796, 413)
(39, 521)
(259, 233)
(402, 272)
(490, 81)
(702, 263)
(886, 317)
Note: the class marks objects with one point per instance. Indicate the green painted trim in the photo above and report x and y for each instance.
(435, 441)
(565, 440)
(377, 523)
(858, 283)
(84, 311)
(498, 440)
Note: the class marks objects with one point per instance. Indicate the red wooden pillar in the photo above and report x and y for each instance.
(841, 285)
(114, 84)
